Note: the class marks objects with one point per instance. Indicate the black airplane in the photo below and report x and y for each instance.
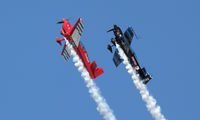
(124, 40)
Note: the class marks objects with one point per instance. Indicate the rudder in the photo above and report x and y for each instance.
(96, 70)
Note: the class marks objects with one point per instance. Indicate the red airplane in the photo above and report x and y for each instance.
(73, 35)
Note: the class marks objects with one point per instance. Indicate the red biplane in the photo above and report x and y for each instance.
(73, 35)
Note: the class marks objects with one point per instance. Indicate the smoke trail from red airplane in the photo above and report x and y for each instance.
(94, 91)
(150, 101)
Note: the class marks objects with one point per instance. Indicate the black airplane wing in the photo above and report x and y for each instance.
(116, 58)
(128, 35)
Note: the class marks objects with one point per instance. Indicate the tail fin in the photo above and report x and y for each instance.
(96, 70)
(146, 77)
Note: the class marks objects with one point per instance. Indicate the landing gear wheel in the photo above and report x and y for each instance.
(113, 41)
(109, 48)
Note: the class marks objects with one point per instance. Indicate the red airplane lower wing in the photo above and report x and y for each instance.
(66, 53)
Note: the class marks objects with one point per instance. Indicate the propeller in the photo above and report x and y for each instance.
(110, 30)
(114, 28)
(61, 22)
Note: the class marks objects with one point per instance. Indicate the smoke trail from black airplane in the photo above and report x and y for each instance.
(150, 101)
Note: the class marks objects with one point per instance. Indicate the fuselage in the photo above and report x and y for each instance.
(121, 40)
(67, 31)
(124, 40)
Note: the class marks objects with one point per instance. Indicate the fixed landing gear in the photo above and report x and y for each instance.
(109, 47)
(113, 41)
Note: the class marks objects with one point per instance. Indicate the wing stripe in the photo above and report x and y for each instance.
(65, 58)
(79, 27)
(76, 35)
(79, 30)
(81, 24)
(66, 53)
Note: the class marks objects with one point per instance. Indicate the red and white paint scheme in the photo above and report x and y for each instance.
(73, 35)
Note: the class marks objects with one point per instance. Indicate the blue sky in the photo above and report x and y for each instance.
(36, 83)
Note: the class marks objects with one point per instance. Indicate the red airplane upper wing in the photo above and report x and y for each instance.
(76, 35)
(77, 31)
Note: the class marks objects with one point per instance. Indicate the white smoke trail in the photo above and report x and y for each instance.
(102, 106)
(150, 101)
